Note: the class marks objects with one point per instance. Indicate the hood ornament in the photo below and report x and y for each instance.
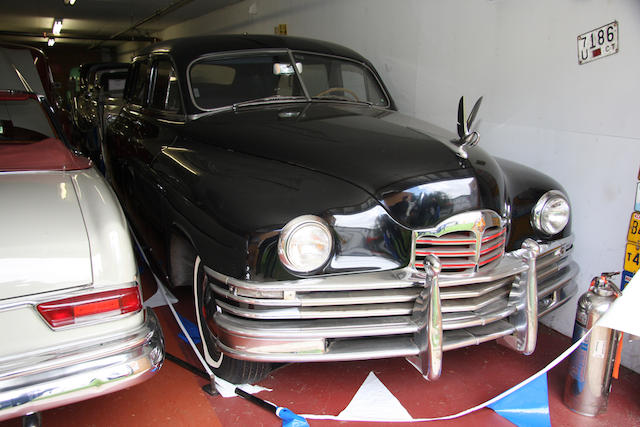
(468, 137)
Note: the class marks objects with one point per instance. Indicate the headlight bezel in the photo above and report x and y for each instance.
(538, 212)
(287, 235)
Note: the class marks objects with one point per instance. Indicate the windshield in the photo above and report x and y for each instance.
(22, 120)
(266, 77)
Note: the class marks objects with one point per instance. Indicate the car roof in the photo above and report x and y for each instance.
(188, 48)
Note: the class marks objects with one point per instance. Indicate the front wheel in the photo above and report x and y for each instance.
(233, 370)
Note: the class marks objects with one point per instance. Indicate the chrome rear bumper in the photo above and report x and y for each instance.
(391, 313)
(57, 377)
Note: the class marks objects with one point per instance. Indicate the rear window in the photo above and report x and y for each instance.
(23, 121)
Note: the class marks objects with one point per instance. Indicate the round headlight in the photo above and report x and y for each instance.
(551, 213)
(305, 244)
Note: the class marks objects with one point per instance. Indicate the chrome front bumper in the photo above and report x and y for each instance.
(393, 313)
(58, 377)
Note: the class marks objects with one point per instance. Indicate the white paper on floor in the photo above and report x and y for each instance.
(373, 401)
(227, 389)
(158, 300)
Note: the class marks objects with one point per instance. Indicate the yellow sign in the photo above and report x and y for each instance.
(634, 229)
(632, 258)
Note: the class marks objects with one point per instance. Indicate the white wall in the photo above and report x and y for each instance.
(573, 122)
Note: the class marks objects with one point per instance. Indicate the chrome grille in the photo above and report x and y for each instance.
(373, 311)
(465, 243)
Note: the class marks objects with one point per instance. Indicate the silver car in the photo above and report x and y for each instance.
(71, 316)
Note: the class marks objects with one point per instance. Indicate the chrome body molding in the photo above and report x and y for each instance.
(393, 313)
(62, 375)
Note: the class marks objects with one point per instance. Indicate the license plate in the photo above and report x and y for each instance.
(598, 43)
(632, 258)
(633, 236)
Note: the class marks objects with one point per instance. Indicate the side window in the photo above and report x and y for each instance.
(140, 84)
(354, 79)
(316, 78)
(166, 95)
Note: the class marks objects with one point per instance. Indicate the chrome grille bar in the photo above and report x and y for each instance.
(464, 243)
(319, 319)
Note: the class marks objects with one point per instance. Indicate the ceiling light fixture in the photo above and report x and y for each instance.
(70, 2)
(57, 27)
(51, 41)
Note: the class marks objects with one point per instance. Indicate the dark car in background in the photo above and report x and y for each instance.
(314, 222)
(98, 99)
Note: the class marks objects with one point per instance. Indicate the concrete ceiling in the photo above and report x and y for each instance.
(96, 21)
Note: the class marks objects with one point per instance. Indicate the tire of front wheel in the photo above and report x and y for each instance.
(233, 370)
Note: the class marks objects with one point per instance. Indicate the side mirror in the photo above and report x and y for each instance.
(468, 137)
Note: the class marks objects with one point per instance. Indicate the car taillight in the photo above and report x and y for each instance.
(86, 308)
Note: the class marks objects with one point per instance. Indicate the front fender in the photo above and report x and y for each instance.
(524, 187)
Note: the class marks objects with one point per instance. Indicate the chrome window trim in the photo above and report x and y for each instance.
(162, 55)
(290, 53)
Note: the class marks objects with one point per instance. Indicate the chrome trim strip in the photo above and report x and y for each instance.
(364, 310)
(362, 349)
(55, 378)
(325, 298)
(472, 304)
(398, 330)
(558, 298)
(474, 336)
(566, 275)
(453, 321)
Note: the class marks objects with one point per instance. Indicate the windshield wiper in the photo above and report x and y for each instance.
(267, 99)
(342, 98)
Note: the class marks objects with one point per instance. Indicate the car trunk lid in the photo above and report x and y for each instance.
(44, 241)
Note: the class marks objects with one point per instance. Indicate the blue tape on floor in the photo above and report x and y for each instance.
(192, 330)
(527, 406)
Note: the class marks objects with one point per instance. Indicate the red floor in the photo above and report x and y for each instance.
(470, 376)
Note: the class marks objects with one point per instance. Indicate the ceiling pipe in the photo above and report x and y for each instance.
(158, 13)
(72, 37)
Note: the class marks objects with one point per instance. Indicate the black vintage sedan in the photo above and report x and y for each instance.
(314, 222)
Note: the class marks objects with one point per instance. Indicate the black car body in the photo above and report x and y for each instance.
(99, 99)
(315, 222)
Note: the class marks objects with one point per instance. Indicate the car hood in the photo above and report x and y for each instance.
(409, 166)
(341, 140)
(44, 241)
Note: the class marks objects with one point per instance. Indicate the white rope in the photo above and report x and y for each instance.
(175, 315)
(550, 366)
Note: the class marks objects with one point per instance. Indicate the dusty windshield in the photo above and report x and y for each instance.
(267, 77)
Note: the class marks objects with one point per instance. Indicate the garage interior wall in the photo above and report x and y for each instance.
(573, 122)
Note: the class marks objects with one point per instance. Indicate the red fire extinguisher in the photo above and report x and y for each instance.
(592, 363)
